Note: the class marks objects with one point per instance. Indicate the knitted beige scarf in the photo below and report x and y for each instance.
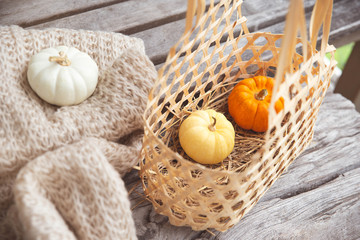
(60, 167)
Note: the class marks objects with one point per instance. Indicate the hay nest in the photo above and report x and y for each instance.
(247, 142)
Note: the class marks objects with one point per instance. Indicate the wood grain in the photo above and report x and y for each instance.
(126, 17)
(323, 213)
(26, 13)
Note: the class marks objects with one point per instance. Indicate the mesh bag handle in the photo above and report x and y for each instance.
(321, 15)
(295, 22)
(196, 8)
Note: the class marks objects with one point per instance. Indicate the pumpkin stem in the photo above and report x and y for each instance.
(212, 126)
(260, 96)
(62, 60)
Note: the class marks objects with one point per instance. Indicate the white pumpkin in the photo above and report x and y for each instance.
(62, 75)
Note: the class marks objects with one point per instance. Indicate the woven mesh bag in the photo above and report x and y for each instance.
(216, 52)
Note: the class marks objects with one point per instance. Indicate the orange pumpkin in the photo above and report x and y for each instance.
(249, 103)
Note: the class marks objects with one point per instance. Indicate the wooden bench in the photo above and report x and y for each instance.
(319, 195)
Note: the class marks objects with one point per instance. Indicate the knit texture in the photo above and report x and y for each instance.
(61, 167)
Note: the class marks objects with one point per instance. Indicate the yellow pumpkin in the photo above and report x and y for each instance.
(207, 136)
(249, 101)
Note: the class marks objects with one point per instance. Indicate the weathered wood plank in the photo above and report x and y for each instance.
(259, 15)
(345, 22)
(334, 152)
(127, 17)
(26, 13)
(160, 39)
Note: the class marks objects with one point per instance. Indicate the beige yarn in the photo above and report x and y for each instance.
(60, 167)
